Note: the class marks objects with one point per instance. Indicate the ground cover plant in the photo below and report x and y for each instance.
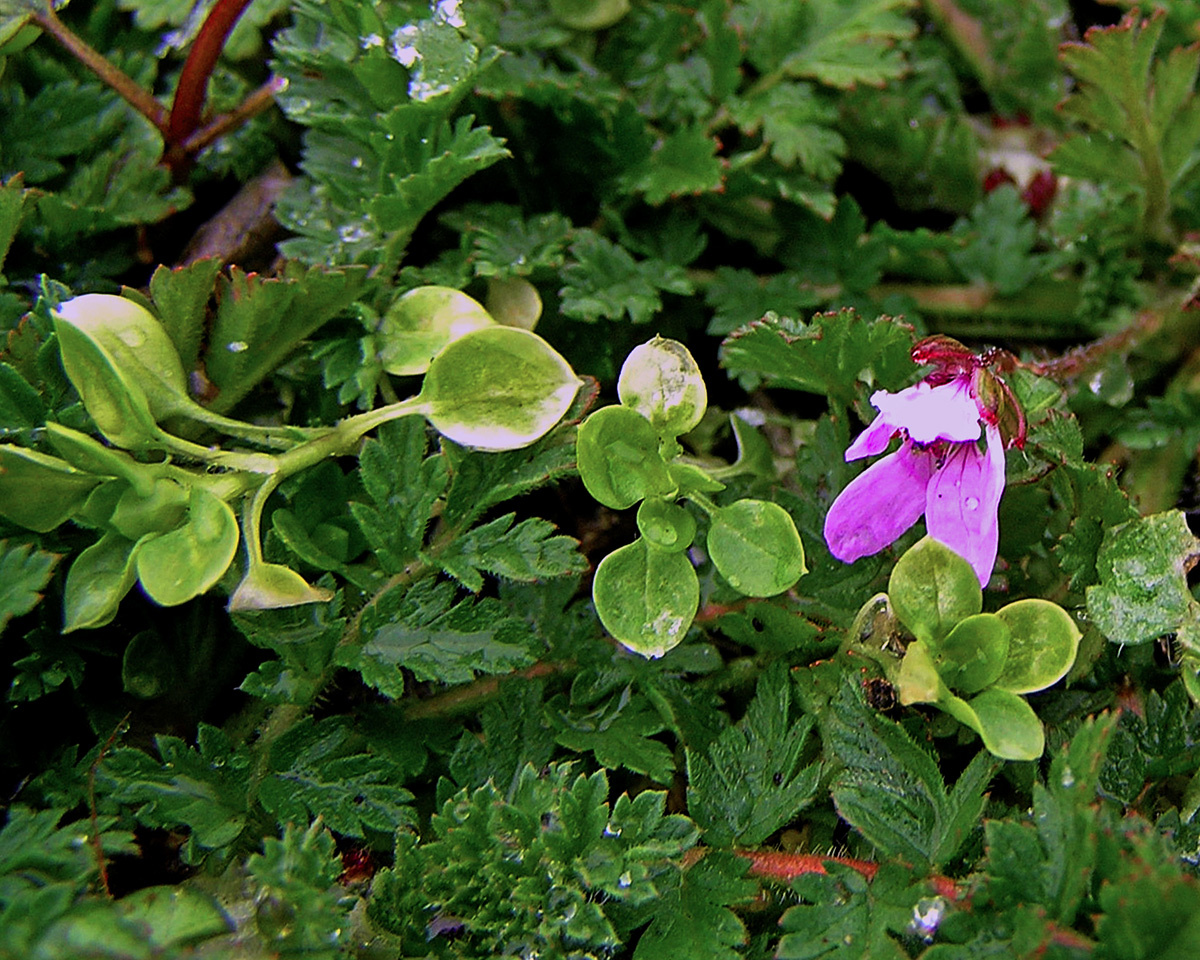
(599, 478)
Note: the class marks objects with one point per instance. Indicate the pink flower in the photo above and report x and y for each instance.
(939, 471)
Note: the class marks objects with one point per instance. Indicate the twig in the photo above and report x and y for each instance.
(1077, 361)
(94, 819)
(469, 696)
(254, 104)
(143, 102)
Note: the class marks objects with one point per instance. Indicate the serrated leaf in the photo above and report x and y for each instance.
(24, 573)
(1048, 861)
(682, 164)
(1143, 590)
(752, 780)
(1141, 114)
(999, 239)
(421, 630)
(260, 321)
(317, 773)
(180, 296)
(827, 356)
(838, 42)
(847, 917)
(603, 281)
(797, 125)
(620, 735)
(404, 485)
(202, 788)
(694, 920)
(891, 790)
(525, 552)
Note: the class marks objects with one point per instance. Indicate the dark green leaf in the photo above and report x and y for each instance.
(24, 573)
(753, 779)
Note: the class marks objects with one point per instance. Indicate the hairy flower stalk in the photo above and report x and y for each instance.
(940, 470)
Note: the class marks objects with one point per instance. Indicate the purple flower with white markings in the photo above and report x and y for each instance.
(939, 470)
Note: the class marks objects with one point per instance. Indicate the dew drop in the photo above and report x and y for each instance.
(132, 336)
(237, 346)
(971, 503)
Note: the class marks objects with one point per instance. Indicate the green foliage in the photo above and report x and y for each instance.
(830, 356)
(753, 779)
(890, 789)
(24, 572)
(410, 625)
(482, 879)
(300, 911)
(846, 916)
(1140, 113)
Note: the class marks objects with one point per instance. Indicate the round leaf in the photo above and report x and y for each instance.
(498, 388)
(97, 581)
(646, 598)
(661, 380)
(932, 588)
(177, 566)
(136, 515)
(666, 525)
(148, 668)
(138, 344)
(420, 324)
(1007, 724)
(40, 492)
(618, 457)
(1044, 643)
(755, 546)
(514, 302)
(972, 656)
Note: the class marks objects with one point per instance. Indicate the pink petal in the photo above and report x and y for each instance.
(962, 501)
(871, 441)
(944, 412)
(879, 504)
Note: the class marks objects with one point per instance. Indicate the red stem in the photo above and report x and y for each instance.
(778, 865)
(192, 90)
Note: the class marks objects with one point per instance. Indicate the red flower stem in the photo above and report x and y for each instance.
(143, 102)
(192, 90)
(777, 865)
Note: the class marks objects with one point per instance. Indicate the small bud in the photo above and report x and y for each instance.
(661, 381)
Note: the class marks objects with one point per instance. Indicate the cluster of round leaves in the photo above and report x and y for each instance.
(975, 665)
(166, 519)
(647, 592)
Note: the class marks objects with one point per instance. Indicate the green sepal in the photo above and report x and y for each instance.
(619, 460)
(645, 597)
(755, 546)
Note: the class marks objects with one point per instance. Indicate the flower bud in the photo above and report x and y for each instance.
(661, 381)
